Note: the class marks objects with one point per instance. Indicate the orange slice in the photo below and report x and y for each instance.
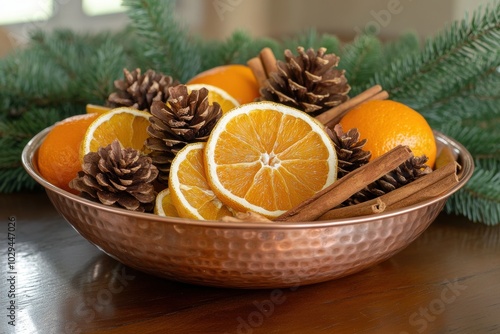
(164, 205)
(189, 189)
(236, 79)
(215, 94)
(128, 125)
(96, 109)
(266, 157)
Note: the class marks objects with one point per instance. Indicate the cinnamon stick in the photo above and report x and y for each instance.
(344, 188)
(432, 190)
(333, 116)
(383, 95)
(370, 207)
(424, 188)
(258, 70)
(268, 61)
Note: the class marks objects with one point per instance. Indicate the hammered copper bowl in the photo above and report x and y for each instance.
(246, 255)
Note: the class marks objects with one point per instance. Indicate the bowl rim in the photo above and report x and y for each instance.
(467, 167)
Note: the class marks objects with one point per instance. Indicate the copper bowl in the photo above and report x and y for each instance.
(246, 255)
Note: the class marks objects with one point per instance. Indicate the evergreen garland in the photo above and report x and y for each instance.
(453, 80)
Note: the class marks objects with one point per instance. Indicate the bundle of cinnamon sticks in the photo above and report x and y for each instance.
(325, 205)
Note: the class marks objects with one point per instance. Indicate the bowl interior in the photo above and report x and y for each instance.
(246, 255)
(462, 156)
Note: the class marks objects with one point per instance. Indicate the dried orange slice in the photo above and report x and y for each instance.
(236, 79)
(96, 109)
(164, 205)
(215, 94)
(266, 157)
(189, 189)
(128, 125)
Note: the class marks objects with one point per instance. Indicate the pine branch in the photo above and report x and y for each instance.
(361, 59)
(312, 39)
(407, 44)
(225, 52)
(54, 71)
(16, 179)
(133, 49)
(478, 199)
(17, 131)
(107, 65)
(464, 111)
(166, 42)
(488, 164)
(236, 49)
(480, 143)
(24, 126)
(24, 83)
(449, 62)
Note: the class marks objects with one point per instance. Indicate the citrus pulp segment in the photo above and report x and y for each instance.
(266, 157)
(128, 125)
(189, 189)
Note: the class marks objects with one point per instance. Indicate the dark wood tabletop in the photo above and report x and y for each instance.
(446, 281)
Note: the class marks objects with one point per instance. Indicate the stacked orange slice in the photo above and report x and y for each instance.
(128, 125)
(262, 157)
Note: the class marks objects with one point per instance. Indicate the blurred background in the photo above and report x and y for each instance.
(216, 19)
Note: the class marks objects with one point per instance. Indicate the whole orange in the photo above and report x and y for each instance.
(386, 124)
(58, 156)
(237, 80)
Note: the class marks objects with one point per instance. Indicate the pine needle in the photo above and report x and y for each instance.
(361, 59)
(478, 200)
(170, 48)
(449, 63)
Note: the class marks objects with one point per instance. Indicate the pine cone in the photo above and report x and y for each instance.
(139, 91)
(350, 153)
(119, 177)
(407, 172)
(309, 82)
(185, 118)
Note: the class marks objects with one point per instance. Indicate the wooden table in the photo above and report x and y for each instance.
(447, 281)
